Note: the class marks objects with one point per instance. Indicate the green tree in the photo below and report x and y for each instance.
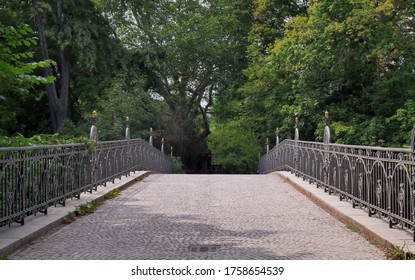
(189, 50)
(256, 105)
(77, 36)
(16, 74)
(235, 148)
(353, 58)
(17, 70)
(128, 98)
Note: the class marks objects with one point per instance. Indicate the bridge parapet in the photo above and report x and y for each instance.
(34, 178)
(379, 180)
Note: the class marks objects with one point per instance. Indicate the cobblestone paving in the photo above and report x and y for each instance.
(171, 216)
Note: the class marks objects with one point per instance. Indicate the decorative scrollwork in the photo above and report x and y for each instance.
(401, 198)
(346, 179)
(371, 175)
(378, 191)
(360, 185)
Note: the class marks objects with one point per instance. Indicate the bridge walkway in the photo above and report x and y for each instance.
(204, 217)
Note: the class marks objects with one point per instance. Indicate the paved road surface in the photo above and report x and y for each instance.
(204, 217)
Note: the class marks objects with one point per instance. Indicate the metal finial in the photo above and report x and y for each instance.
(94, 117)
(327, 118)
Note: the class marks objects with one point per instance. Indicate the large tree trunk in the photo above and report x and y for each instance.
(58, 102)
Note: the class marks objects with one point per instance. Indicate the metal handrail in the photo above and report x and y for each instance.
(377, 179)
(35, 178)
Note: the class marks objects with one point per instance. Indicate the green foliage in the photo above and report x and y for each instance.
(45, 139)
(399, 253)
(402, 123)
(71, 129)
(353, 228)
(352, 58)
(4, 257)
(87, 208)
(16, 74)
(178, 167)
(19, 78)
(127, 98)
(82, 32)
(69, 218)
(189, 51)
(167, 63)
(112, 194)
(234, 147)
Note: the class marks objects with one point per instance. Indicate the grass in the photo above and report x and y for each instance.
(399, 253)
(4, 257)
(112, 194)
(69, 218)
(142, 177)
(87, 208)
(352, 228)
(287, 180)
(91, 206)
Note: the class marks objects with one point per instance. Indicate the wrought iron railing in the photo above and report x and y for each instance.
(379, 180)
(34, 178)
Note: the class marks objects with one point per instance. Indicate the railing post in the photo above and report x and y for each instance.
(326, 141)
(296, 138)
(151, 136)
(171, 151)
(162, 145)
(93, 134)
(127, 128)
(296, 132)
(413, 179)
(267, 144)
(277, 137)
(327, 120)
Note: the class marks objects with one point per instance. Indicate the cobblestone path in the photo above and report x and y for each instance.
(204, 217)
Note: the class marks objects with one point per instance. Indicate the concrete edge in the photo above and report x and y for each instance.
(369, 235)
(31, 236)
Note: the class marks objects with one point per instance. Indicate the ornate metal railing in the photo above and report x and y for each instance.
(34, 178)
(379, 180)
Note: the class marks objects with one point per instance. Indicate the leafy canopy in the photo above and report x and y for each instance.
(16, 73)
